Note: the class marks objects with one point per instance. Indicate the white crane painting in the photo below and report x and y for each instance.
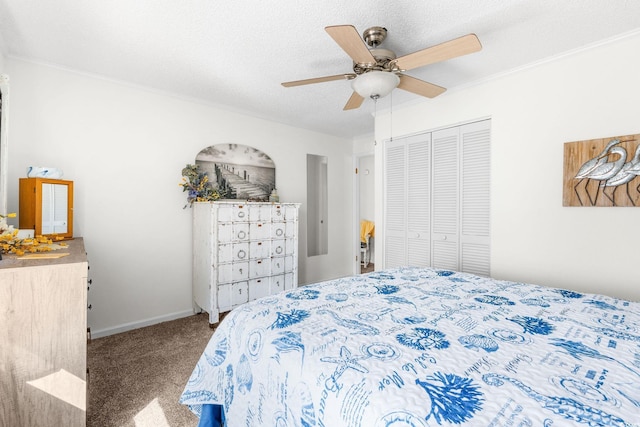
(602, 172)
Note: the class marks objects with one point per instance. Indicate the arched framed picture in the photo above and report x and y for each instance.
(238, 171)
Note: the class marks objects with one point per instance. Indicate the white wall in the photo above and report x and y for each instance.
(3, 55)
(589, 94)
(124, 148)
(3, 194)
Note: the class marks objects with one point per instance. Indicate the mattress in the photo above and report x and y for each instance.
(422, 347)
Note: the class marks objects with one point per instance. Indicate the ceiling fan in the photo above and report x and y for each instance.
(377, 71)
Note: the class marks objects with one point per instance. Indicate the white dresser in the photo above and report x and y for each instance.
(242, 251)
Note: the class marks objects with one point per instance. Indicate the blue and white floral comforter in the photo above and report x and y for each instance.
(423, 347)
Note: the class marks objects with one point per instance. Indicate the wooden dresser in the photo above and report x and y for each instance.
(43, 339)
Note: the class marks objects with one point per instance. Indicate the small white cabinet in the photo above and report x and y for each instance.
(242, 251)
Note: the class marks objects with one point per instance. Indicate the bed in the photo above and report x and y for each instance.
(422, 347)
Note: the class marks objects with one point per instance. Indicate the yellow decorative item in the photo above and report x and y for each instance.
(10, 243)
(367, 229)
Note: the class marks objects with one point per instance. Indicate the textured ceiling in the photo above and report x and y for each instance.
(236, 53)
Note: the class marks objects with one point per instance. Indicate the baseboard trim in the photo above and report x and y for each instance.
(140, 324)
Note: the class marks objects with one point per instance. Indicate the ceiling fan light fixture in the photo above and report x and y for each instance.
(375, 84)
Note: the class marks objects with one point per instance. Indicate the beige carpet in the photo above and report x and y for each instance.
(136, 377)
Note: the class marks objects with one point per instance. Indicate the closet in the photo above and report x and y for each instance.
(436, 211)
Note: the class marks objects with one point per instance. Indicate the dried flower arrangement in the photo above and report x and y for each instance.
(197, 184)
(10, 243)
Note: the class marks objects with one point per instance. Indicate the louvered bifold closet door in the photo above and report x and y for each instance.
(437, 209)
(419, 200)
(395, 218)
(475, 208)
(445, 199)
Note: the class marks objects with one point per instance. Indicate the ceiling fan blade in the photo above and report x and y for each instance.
(355, 101)
(419, 87)
(319, 80)
(349, 40)
(441, 52)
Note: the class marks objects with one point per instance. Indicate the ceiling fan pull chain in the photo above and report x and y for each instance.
(391, 117)
(375, 116)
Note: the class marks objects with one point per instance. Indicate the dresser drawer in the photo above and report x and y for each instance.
(277, 283)
(233, 212)
(259, 249)
(259, 230)
(231, 252)
(278, 213)
(290, 228)
(261, 213)
(277, 265)
(289, 263)
(233, 231)
(290, 213)
(277, 248)
(259, 267)
(278, 230)
(290, 281)
(259, 288)
(291, 246)
(235, 271)
(232, 295)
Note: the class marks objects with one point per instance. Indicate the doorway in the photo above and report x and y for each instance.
(365, 213)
